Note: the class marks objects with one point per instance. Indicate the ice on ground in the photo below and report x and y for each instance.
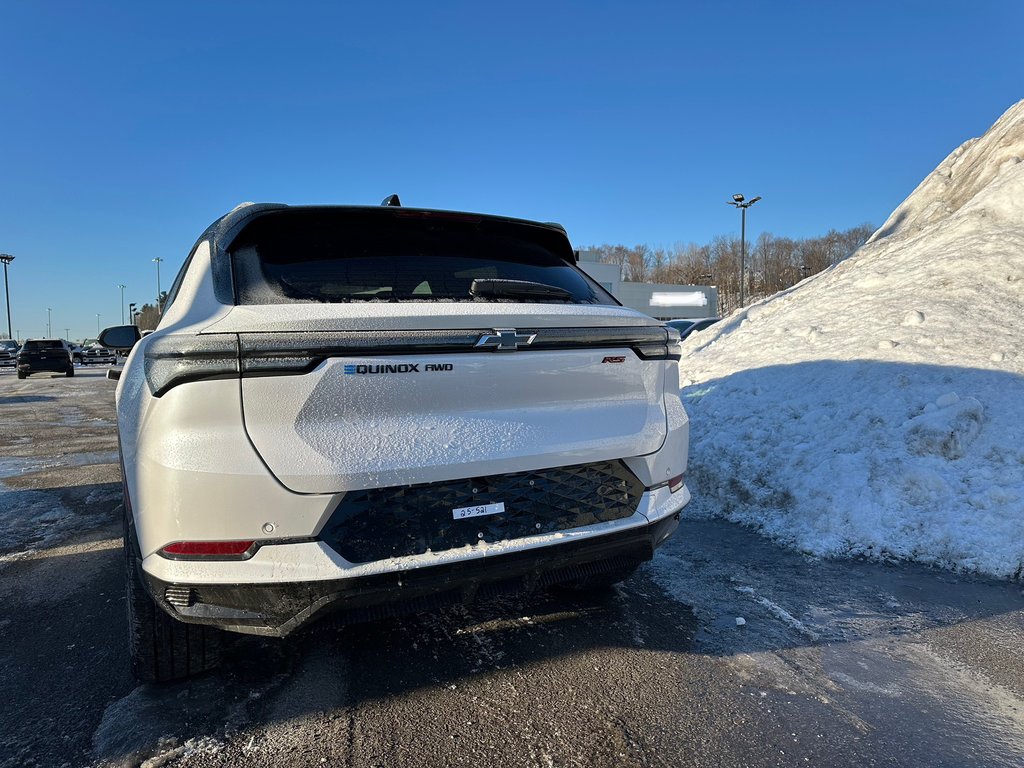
(877, 409)
(17, 465)
(37, 519)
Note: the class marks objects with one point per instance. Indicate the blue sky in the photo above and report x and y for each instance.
(127, 128)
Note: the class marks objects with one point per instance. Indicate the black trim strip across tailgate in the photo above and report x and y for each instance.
(290, 352)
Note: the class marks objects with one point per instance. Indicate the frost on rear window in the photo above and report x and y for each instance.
(382, 258)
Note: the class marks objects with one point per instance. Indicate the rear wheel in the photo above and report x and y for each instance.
(161, 648)
(22, 375)
(70, 372)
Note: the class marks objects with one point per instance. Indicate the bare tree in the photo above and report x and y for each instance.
(774, 262)
(148, 317)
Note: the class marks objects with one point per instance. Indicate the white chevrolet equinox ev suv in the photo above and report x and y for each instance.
(375, 410)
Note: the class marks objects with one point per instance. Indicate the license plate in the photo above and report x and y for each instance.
(478, 511)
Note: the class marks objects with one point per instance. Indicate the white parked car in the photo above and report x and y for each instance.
(373, 410)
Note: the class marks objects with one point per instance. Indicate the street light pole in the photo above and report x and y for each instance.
(122, 287)
(738, 201)
(49, 333)
(6, 258)
(97, 324)
(159, 308)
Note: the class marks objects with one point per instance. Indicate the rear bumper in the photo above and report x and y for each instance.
(277, 609)
(48, 366)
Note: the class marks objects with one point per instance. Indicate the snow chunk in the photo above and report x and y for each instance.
(947, 431)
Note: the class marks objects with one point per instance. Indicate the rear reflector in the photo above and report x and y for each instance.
(207, 548)
(675, 483)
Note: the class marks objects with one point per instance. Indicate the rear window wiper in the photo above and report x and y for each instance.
(517, 289)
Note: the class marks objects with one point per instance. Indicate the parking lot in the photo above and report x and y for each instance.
(840, 663)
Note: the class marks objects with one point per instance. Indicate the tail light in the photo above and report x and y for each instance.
(176, 359)
(670, 349)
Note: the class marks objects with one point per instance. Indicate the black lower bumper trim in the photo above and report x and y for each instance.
(279, 609)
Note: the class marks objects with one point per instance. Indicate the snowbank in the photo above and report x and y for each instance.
(877, 409)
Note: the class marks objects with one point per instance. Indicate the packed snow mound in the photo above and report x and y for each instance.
(877, 408)
(969, 170)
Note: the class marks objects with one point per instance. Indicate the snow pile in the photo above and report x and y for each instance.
(877, 409)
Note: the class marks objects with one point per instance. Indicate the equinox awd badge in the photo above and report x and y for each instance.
(400, 368)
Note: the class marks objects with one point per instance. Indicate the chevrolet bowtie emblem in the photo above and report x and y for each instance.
(506, 340)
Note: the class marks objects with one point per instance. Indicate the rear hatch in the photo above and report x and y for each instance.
(39, 351)
(370, 358)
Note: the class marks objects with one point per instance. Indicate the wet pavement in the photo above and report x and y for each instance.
(833, 663)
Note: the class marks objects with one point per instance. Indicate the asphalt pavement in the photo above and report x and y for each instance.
(726, 650)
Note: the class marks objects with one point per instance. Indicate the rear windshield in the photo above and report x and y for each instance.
(344, 256)
(43, 344)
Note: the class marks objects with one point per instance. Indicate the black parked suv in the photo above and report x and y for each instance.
(45, 355)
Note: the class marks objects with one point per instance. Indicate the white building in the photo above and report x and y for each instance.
(665, 302)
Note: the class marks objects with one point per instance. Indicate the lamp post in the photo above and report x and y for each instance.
(122, 287)
(6, 258)
(738, 201)
(49, 333)
(97, 324)
(159, 309)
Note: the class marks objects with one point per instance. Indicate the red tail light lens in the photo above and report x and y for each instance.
(673, 483)
(208, 548)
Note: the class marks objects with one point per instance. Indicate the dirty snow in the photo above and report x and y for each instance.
(877, 409)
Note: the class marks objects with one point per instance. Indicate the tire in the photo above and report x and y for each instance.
(70, 372)
(161, 648)
(22, 375)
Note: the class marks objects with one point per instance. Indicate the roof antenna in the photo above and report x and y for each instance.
(391, 201)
